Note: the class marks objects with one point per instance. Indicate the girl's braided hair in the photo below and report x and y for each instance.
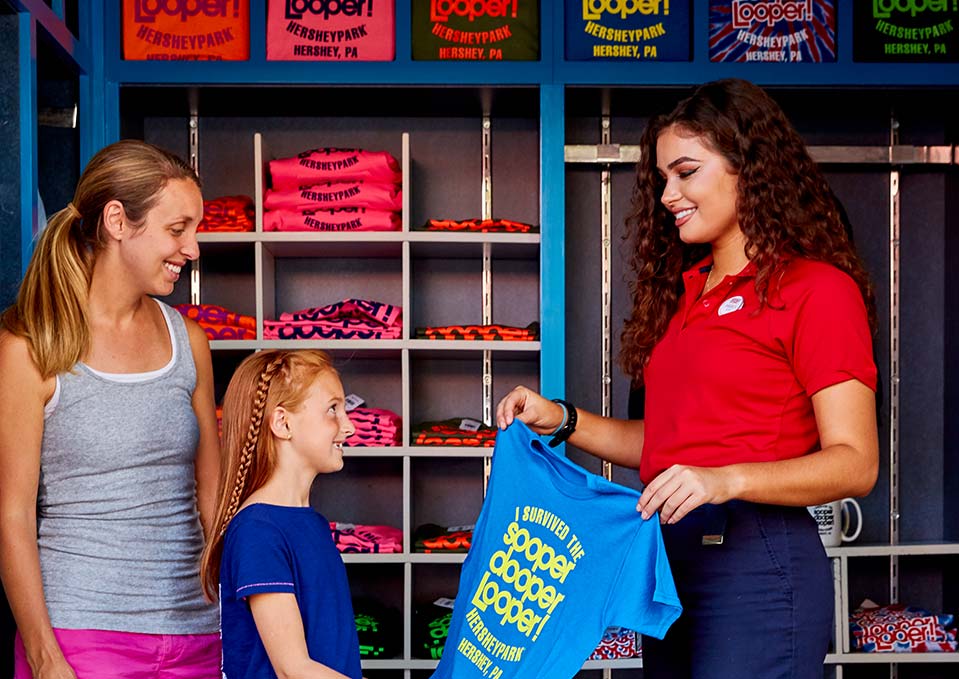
(262, 382)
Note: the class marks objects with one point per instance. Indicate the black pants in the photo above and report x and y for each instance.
(758, 606)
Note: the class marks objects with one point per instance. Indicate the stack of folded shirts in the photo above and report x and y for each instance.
(479, 225)
(334, 190)
(379, 629)
(430, 538)
(617, 642)
(374, 427)
(220, 323)
(229, 213)
(451, 433)
(354, 538)
(901, 629)
(480, 332)
(431, 625)
(349, 319)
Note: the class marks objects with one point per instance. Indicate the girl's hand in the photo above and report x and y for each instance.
(680, 489)
(542, 416)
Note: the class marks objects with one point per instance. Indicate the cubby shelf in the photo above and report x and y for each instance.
(438, 278)
(901, 549)
(890, 658)
(419, 451)
(404, 558)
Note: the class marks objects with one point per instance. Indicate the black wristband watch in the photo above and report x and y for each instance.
(569, 426)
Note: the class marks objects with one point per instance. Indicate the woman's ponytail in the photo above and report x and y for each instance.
(50, 310)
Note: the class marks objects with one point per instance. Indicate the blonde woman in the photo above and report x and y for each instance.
(108, 445)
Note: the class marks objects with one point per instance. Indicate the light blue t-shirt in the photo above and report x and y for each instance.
(558, 555)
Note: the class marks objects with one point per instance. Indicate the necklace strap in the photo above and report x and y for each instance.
(706, 286)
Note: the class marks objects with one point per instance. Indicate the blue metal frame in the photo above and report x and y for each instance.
(32, 15)
(29, 177)
(553, 244)
(305, 73)
(552, 212)
(51, 18)
(94, 102)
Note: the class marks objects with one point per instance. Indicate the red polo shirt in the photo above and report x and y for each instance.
(730, 382)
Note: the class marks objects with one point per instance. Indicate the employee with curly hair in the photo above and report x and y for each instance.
(750, 331)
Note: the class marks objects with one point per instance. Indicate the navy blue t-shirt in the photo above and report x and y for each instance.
(558, 555)
(268, 548)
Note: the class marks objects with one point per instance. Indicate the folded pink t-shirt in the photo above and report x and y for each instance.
(371, 195)
(361, 538)
(377, 312)
(334, 165)
(333, 219)
(374, 415)
(349, 319)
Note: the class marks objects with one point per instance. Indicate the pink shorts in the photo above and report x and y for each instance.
(99, 654)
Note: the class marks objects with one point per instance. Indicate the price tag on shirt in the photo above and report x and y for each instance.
(445, 602)
(466, 424)
(353, 402)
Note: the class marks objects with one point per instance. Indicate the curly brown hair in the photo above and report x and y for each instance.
(784, 205)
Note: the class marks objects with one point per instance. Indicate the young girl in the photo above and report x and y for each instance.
(285, 601)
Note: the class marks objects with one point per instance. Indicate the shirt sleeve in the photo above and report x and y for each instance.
(830, 337)
(260, 561)
(643, 597)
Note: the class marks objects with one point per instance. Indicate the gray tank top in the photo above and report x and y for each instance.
(119, 535)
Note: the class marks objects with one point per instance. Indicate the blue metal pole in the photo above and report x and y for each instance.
(29, 178)
(553, 248)
(90, 90)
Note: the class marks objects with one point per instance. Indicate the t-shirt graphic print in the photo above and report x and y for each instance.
(558, 555)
